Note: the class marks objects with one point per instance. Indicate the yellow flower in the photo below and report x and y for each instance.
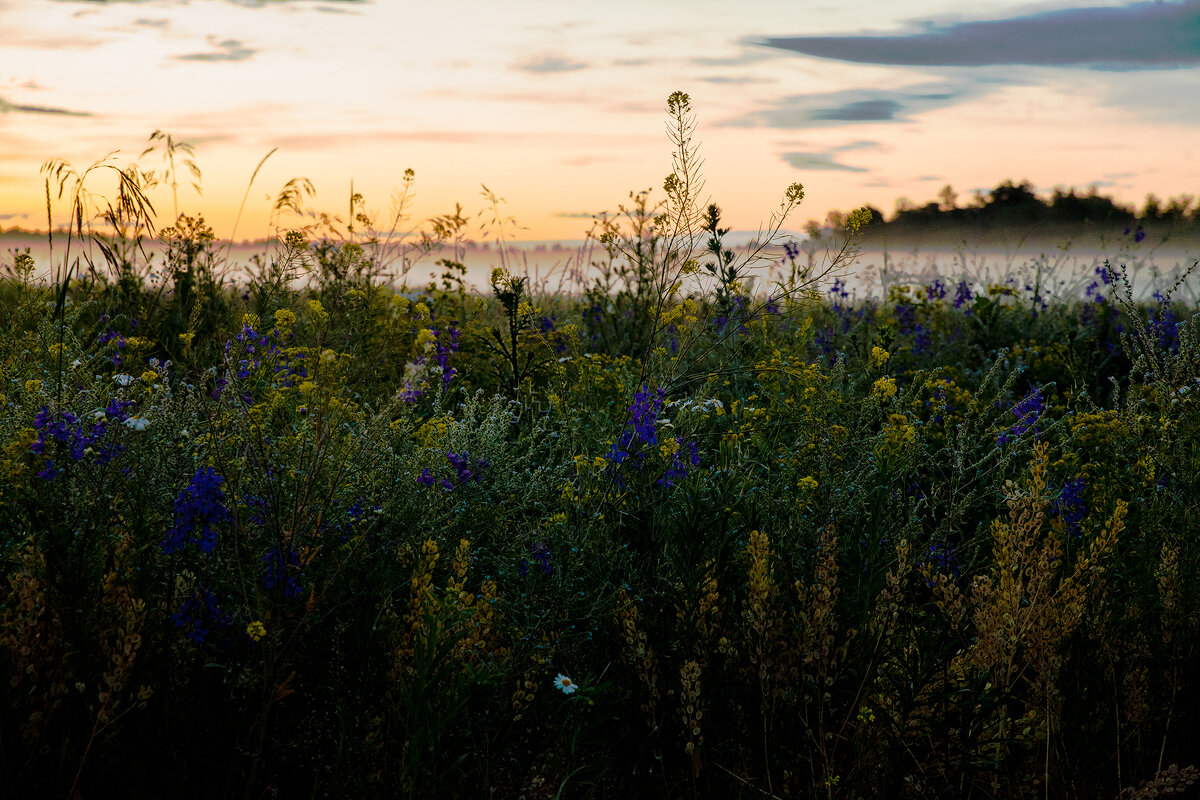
(284, 320)
(256, 630)
(33, 387)
(879, 356)
(149, 376)
(807, 484)
(884, 389)
(425, 339)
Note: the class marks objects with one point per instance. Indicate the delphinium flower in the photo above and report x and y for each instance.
(80, 439)
(446, 343)
(282, 569)
(685, 459)
(541, 559)
(1028, 411)
(643, 419)
(942, 557)
(1164, 324)
(963, 295)
(737, 316)
(200, 505)
(935, 290)
(465, 469)
(906, 324)
(1139, 233)
(1070, 505)
(201, 615)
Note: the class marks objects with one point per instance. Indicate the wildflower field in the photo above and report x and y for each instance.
(304, 531)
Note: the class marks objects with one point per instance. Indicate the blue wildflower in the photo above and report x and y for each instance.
(201, 504)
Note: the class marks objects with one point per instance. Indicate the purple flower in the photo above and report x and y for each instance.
(541, 558)
(200, 505)
(643, 419)
(200, 615)
(446, 343)
(963, 294)
(282, 569)
(1028, 411)
(682, 463)
(1070, 506)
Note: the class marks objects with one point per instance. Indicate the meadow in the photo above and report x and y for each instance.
(692, 531)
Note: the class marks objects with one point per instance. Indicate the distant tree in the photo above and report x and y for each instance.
(1177, 208)
(876, 215)
(1152, 210)
(948, 198)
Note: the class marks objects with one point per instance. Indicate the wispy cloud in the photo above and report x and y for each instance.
(818, 161)
(733, 80)
(828, 159)
(7, 108)
(549, 64)
(856, 105)
(575, 215)
(1146, 35)
(14, 216)
(227, 50)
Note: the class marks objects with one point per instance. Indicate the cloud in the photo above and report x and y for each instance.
(1141, 35)
(856, 105)
(145, 22)
(548, 64)
(229, 50)
(575, 215)
(733, 80)
(827, 160)
(7, 107)
(816, 161)
(14, 216)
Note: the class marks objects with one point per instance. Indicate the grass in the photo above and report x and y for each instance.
(339, 536)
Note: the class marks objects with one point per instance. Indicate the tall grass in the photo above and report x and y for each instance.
(687, 533)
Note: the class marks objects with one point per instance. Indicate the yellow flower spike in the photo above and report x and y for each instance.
(879, 356)
(149, 376)
(884, 389)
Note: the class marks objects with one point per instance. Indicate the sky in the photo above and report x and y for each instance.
(559, 108)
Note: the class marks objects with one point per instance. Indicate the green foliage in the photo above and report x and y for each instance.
(680, 535)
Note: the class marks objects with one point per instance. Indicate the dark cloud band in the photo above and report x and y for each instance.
(857, 105)
(7, 108)
(1137, 36)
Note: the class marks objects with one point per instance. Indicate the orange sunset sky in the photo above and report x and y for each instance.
(559, 107)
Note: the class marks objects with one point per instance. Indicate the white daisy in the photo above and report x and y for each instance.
(565, 684)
